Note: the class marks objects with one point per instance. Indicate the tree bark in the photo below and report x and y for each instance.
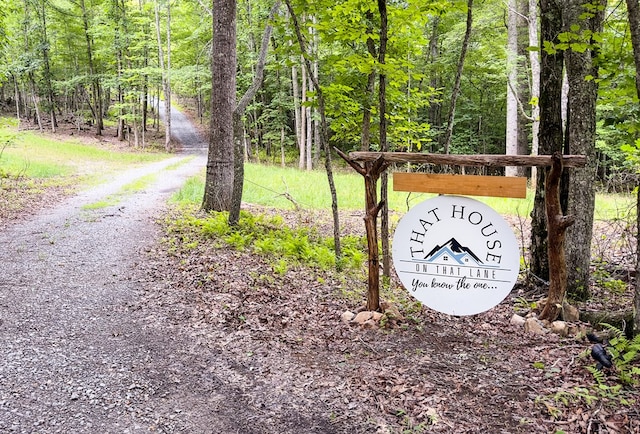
(166, 86)
(534, 61)
(557, 224)
(633, 11)
(95, 81)
(511, 136)
(219, 179)
(582, 74)
(551, 133)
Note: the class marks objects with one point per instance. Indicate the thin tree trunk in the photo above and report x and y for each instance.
(240, 148)
(165, 74)
(47, 71)
(324, 139)
(95, 81)
(534, 60)
(456, 86)
(633, 11)
(303, 117)
(581, 138)
(296, 108)
(384, 179)
(511, 137)
(365, 138)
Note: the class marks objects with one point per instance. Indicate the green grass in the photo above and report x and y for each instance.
(127, 189)
(37, 155)
(267, 185)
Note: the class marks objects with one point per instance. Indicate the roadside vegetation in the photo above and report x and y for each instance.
(36, 168)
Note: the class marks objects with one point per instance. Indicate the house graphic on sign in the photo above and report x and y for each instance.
(452, 253)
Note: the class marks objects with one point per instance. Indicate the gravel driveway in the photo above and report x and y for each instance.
(82, 348)
(75, 356)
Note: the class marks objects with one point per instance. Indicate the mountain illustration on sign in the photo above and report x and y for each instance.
(452, 250)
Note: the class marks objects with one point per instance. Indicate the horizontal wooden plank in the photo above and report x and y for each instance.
(470, 185)
(469, 160)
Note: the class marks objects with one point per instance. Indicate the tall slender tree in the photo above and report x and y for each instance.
(633, 11)
(551, 134)
(583, 27)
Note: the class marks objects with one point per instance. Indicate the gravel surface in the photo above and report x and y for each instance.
(76, 358)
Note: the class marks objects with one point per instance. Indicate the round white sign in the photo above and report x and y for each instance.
(456, 255)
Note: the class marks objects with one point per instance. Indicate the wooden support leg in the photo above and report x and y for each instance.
(557, 225)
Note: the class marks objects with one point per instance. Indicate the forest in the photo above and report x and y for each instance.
(299, 85)
(91, 62)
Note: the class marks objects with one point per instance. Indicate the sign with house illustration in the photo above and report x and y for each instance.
(456, 255)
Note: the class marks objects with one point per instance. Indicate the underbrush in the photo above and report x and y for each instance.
(268, 236)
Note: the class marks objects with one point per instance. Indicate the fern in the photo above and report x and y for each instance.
(625, 354)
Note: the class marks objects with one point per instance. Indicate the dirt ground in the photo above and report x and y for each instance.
(109, 324)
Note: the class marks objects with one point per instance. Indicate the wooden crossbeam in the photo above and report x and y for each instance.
(469, 160)
(468, 185)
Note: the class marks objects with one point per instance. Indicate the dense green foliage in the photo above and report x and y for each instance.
(62, 58)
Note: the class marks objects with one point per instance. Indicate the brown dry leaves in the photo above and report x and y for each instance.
(431, 373)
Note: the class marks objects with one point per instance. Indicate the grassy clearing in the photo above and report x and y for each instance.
(33, 155)
(267, 185)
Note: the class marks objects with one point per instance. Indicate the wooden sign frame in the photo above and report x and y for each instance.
(371, 165)
(468, 185)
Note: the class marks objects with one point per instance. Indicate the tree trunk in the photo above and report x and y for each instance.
(95, 81)
(365, 137)
(303, 116)
(166, 85)
(238, 130)
(557, 225)
(456, 86)
(583, 93)
(551, 134)
(511, 136)
(297, 107)
(384, 181)
(47, 70)
(219, 179)
(633, 11)
(324, 138)
(534, 61)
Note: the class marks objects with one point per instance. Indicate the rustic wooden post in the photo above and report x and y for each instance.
(371, 171)
(557, 224)
(374, 163)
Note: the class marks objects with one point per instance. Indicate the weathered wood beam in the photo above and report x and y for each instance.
(469, 160)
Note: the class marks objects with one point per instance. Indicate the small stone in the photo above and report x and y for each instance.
(560, 328)
(347, 316)
(362, 317)
(517, 320)
(391, 311)
(534, 326)
(370, 324)
(570, 313)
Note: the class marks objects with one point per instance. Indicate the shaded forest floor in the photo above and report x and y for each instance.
(425, 372)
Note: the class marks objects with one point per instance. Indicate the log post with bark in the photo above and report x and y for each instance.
(371, 171)
(557, 224)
